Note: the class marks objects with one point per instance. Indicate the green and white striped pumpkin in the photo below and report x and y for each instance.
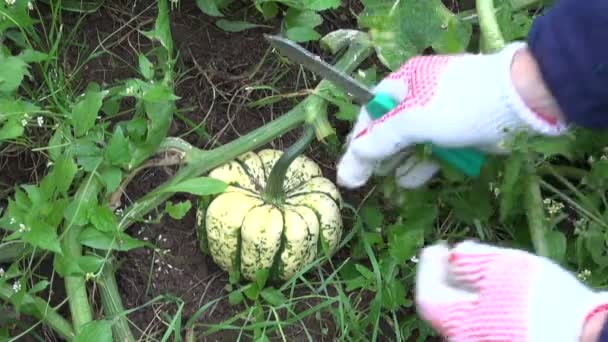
(245, 229)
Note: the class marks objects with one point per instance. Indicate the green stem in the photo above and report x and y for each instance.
(491, 37)
(112, 303)
(75, 286)
(43, 312)
(275, 191)
(533, 203)
(201, 162)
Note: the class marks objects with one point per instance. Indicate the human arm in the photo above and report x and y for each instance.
(540, 73)
(568, 43)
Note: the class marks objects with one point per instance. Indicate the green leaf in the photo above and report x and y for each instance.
(273, 296)
(162, 29)
(295, 17)
(269, 9)
(395, 295)
(235, 297)
(200, 186)
(403, 29)
(111, 177)
(90, 263)
(511, 189)
(117, 153)
(11, 129)
(404, 241)
(64, 171)
(12, 71)
(365, 272)
(373, 217)
(556, 244)
(98, 331)
(209, 7)
(42, 235)
(32, 56)
(84, 113)
(103, 219)
(235, 26)
(321, 5)
(252, 291)
(145, 67)
(179, 210)
(41, 285)
(302, 34)
(261, 276)
(119, 241)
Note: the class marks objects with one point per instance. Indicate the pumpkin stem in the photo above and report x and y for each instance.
(274, 192)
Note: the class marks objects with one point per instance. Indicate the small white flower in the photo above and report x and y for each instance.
(10, 2)
(1, 272)
(118, 212)
(40, 121)
(553, 207)
(12, 221)
(24, 122)
(414, 259)
(30, 5)
(584, 275)
(130, 90)
(17, 286)
(22, 228)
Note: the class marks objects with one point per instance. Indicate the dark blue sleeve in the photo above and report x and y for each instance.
(604, 333)
(570, 43)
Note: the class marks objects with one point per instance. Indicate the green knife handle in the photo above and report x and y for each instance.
(467, 160)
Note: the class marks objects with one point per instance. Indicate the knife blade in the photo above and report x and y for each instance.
(466, 160)
(315, 64)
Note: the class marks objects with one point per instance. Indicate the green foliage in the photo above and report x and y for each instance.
(300, 17)
(404, 29)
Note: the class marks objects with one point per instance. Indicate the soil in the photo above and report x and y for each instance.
(215, 72)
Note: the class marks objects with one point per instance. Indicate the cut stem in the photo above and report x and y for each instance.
(112, 304)
(275, 191)
(491, 37)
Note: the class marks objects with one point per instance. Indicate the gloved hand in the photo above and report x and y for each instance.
(476, 292)
(465, 100)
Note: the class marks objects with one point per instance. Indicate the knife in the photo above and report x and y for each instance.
(467, 160)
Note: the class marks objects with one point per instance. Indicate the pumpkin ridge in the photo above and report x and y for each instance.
(274, 270)
(248, 173)
(247, 192)
(316, 192)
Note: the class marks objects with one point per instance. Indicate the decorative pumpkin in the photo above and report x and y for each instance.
(278, 213)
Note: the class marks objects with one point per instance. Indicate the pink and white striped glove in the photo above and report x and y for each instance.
(465, 100)
(476, 292)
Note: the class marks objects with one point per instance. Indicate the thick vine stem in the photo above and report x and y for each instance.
(203, 161)
(112, 304)
(75, 286)
(535, 214)
(43, 311)
(275, 191)
(491, 37)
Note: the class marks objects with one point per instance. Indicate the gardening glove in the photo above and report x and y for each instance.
(476, 292)
(464, 100)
